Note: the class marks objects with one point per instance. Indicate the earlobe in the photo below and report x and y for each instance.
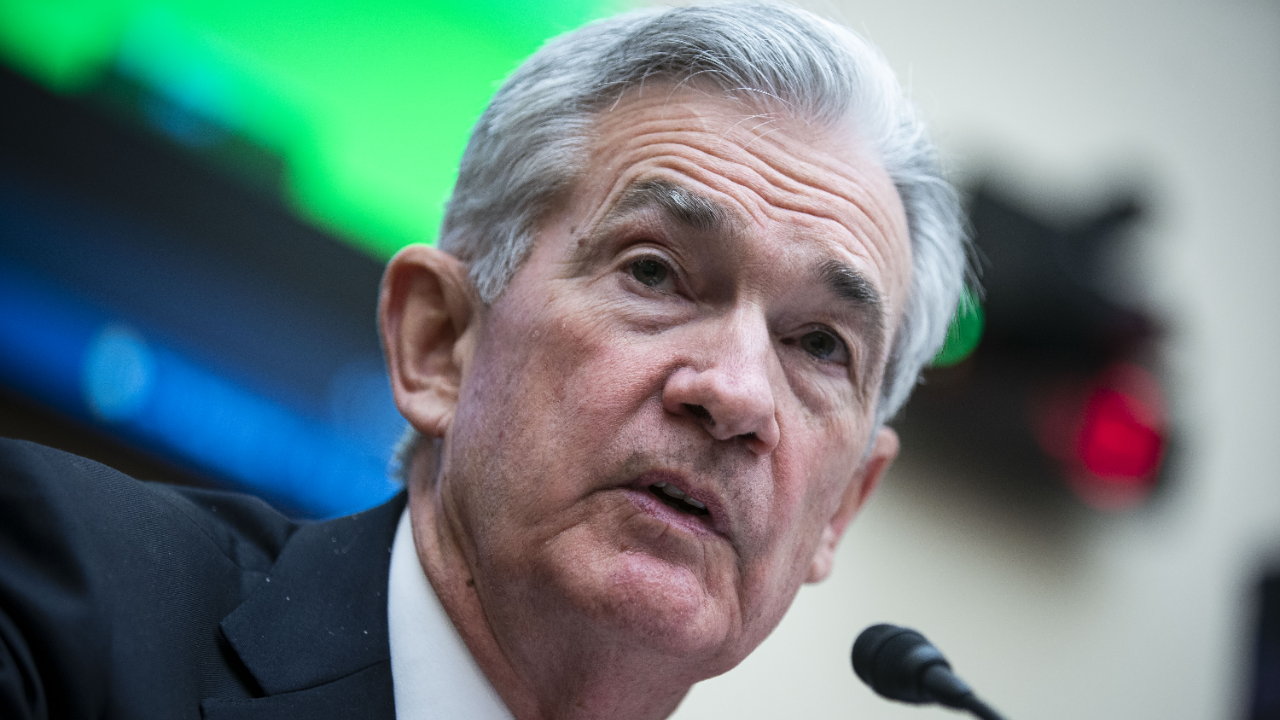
(427, 314)
(859, 489)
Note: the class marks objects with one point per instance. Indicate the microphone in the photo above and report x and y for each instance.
(900, 664)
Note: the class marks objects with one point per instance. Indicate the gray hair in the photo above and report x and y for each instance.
(532, 141)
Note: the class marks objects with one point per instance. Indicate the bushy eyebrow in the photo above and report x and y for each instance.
(849, 285)
(857, 292)
(679, 203)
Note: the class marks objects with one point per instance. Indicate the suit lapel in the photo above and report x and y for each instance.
(314, 633)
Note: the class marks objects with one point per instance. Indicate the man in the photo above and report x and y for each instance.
(693, 261)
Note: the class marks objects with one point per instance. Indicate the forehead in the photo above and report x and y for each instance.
(777, 182)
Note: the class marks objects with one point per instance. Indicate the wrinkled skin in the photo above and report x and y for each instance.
(639, 345)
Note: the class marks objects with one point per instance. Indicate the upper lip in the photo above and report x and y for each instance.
(716, 512)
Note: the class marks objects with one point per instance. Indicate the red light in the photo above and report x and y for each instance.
(1109, 435)
(1119, 440)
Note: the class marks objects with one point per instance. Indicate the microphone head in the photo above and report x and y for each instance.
(893, 661)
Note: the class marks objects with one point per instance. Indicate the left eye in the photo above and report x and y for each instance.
(649, 272)
(821, 345)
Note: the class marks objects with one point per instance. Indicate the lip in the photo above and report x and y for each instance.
(713, 523)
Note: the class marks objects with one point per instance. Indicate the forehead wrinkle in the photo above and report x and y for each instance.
(804, 174)
(793, 180)
(780, 167)
(798, 176)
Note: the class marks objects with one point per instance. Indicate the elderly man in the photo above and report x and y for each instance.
(693, 261)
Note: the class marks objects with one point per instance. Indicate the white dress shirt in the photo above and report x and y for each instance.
(433, 674)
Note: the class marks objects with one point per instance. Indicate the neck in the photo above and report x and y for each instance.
(542, 664)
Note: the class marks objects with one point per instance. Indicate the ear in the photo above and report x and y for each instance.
(857, 492)
(429, 315)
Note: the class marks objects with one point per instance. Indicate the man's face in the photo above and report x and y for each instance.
(705, 317)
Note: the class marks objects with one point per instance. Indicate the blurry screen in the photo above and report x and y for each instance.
(196, 200)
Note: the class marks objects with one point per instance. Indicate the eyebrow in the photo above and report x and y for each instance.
(849, 285)
(679, 203)
(857, 291)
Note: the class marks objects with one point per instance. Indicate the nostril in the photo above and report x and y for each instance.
(699, 412)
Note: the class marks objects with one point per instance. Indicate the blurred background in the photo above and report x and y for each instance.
(196, 199)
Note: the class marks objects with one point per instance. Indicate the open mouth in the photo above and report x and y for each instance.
(672, 496)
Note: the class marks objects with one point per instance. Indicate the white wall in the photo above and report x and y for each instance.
(1139, 615)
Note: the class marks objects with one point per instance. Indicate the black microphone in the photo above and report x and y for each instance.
(900, 664)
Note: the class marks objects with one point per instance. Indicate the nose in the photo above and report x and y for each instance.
(726, 386)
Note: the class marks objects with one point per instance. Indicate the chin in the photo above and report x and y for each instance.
(650, 603)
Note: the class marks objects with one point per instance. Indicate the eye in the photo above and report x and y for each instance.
(819, 344)
(650, 272)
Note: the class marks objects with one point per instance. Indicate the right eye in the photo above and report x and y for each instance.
(650, 272)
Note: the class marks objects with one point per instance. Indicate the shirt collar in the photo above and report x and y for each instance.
(433, 673)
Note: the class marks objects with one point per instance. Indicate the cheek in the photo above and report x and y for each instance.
(522, 373)
(553, 391)
(813, 467)
(834, 466)
(597, 373)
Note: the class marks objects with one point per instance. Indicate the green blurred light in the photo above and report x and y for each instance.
(964, 332)
(60, 43)
(368, 103)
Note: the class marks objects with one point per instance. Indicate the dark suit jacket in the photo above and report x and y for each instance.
(121, 599)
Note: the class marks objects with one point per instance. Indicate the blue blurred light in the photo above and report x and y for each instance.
(181, 124)
(62, 351)
(361, 405)
(119, 373)
(43, 339)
